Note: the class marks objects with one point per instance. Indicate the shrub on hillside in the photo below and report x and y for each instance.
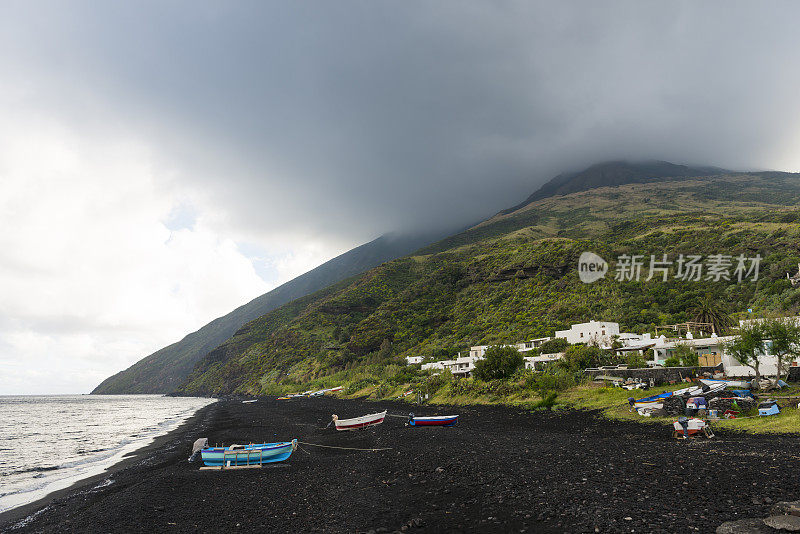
(470, 386)
(358, 385)
(686, 355)
(558, 344)
(435, 382)
(498, 363)
(553, 378)
(635, 361)
(403, 375)
(579, 357)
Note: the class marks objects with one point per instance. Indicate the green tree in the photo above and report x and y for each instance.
(579, 357)
(748, 346)
(784, 337)
(498, 362)
(709, 310)
(635, 361)
(686, 355)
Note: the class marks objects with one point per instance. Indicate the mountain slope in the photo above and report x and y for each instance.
(165, 369)
(613, 173)
(514, 277)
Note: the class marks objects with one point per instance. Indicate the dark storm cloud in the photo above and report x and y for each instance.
(356, 118)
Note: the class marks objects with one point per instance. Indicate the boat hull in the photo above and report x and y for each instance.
(360, 422)
(444, 420)
(695, 426)
(256, 454)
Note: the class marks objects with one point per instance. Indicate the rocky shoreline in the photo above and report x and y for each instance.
(500, 469)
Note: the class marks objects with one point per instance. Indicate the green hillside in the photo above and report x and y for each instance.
(514, 277)
(167, 368)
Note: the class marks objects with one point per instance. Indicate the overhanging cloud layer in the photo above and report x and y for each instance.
(291, 131)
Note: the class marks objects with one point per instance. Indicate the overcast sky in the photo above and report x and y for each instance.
(164, 162)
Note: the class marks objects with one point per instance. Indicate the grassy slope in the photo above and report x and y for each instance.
(514, 277)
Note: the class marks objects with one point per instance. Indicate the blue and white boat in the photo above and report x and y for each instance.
(247, 455)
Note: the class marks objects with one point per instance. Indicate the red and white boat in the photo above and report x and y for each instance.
(694, 427)
(359, 422)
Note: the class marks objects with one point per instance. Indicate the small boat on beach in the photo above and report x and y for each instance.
(251, 455)
(436, 420)
(359, 422)
(727, 383)
(685, 427)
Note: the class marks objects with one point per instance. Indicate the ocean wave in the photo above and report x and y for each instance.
(42, 469)
(103, 434)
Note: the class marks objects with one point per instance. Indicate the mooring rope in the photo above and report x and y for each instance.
(343, 448)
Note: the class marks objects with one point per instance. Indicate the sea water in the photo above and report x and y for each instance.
(49, 442)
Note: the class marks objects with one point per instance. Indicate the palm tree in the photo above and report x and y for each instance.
(711, 311)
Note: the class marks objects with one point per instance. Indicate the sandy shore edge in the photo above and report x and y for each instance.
(10, 518)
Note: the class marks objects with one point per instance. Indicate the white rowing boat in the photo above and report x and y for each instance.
(359, 422)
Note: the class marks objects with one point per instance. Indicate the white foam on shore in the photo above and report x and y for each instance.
(67, 474)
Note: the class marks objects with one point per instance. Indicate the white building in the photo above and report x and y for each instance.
(710, 350)
(531, 344)
(538, 362)
(598, 333)
(479, 351)
(412, 360)
(458, 367)
(768, 364)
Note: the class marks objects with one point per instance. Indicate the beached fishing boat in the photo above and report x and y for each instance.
(247, 455)
(726, 383)
(359, 422)
(436, 420)
(693, 427)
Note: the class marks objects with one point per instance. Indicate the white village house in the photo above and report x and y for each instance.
(598, 333)
(463, 366)
(711, 350)
(479, 351)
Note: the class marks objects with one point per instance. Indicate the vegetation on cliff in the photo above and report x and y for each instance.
(514, 277)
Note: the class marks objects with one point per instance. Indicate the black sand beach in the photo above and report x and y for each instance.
(499, 470)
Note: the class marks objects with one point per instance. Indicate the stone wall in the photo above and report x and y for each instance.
(660, 375)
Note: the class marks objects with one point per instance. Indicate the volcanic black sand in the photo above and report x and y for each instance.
(499, 470)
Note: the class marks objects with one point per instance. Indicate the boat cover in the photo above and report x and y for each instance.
(768, 408)
(697, 403)
(199, 444)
